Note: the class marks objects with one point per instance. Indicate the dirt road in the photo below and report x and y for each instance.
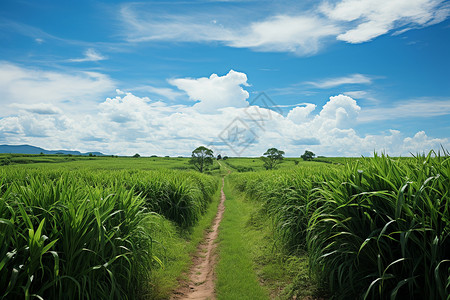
(201, 276)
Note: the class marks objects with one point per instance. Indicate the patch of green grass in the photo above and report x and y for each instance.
(284, 275)
(236, 278)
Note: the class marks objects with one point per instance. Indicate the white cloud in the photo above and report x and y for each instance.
(300, 31)
(341, 109)
(22, 85)
(38, 108)
(356, 94)
(216, 91)
(301, 114)
(89, 55)
(126, 124)
(417, 108)
(142, 26)
(420, 142)
(377, 17)
(168, 93)
(33, 126)
(302, 34)
(334, 82)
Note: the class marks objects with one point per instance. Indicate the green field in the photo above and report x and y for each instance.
(99, 162)
(74, 227)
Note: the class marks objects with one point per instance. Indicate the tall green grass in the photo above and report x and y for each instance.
(89, 234)
(61, 241)
(286, 199)
(381, 230)
(376, 228)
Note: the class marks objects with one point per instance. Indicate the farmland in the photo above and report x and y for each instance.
(86, 233)
(123, 228)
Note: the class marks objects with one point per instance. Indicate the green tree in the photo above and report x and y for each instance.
(308, 155)
(201, 158)
(136, 155)
(272, 157)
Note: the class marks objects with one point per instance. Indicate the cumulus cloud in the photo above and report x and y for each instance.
(301, 114)
(33, 125)
(342, 110)
(216, 91)
(420, 142)
(125, 124)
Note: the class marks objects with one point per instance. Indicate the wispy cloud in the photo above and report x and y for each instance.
(89, 55)
(27, 85)
(290, 105)
(419, 108)
(337, 81)
(372, 18)
(38, 108)
(168, 93)
(303, 32)
(356, 94)
(30, 31)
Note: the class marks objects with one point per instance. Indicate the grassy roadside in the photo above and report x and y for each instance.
(236, 278)
(285, 276)
(177, 249)
(252, 265)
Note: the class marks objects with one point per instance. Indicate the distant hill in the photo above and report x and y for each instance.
(27, 149)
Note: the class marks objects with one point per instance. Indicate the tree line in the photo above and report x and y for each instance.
(202, 158)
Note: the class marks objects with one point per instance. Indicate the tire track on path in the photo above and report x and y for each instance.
(201, 283)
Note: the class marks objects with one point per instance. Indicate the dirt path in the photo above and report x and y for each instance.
(201, 276)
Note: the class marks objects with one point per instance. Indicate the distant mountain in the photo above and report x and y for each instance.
(27, 149)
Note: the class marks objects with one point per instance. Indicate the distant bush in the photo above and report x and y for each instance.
(244, 169)
(5, 161)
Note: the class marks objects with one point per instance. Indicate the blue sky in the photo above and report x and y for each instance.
(340, 78)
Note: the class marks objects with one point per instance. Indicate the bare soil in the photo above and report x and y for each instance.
(201, 282)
